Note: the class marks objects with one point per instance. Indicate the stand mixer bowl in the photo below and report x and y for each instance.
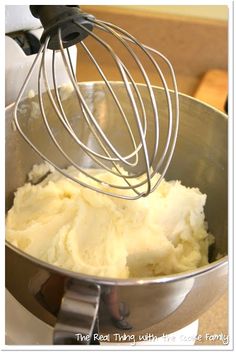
(72, 301)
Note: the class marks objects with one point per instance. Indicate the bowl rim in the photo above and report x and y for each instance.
(91, 83)
(222, 262)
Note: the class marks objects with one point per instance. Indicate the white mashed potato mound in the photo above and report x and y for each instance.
(70, 226)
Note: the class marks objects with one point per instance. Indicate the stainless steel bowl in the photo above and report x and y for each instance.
(75, 303)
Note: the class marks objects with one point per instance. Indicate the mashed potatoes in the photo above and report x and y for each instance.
(67, 225)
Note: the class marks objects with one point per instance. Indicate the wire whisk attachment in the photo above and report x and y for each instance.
(134, 152)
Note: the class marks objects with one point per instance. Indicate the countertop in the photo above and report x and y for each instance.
(214, 322)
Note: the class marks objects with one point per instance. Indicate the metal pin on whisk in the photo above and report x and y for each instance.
(65, 26)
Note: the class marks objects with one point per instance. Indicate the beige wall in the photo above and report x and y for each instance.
(219, 12)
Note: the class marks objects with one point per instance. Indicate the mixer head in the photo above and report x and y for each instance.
(136, 168)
